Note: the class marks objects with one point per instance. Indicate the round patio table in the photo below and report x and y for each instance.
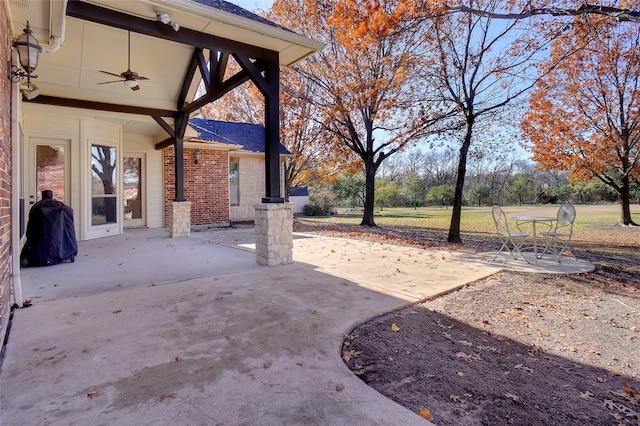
(533, 220)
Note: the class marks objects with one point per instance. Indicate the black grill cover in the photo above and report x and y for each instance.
(51, 237)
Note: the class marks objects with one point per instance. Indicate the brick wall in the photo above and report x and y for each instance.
(5, 176)
(206, 185)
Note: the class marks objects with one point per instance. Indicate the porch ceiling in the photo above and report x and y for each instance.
(72, 71)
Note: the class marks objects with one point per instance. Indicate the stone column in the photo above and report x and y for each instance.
(179, 219)
(274, 233)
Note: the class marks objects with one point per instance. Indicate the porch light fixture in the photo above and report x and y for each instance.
(28, 53)
(196, 156)
(165, 19)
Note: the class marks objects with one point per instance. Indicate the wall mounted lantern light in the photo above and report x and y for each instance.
(28, 53)
(196, 156)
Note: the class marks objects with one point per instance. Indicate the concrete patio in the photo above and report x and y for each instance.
(143, 329)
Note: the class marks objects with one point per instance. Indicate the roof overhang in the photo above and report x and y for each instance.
(77, 48)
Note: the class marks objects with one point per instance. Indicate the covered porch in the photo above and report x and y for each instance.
(116, 84)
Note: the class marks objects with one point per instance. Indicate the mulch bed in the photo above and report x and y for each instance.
(513, 348)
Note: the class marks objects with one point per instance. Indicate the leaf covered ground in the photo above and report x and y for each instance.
(514, 348)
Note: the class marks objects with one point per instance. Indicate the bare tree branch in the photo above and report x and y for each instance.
(584, 9)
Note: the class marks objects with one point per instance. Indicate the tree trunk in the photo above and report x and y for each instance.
(369, 192)
(456, 214)
(625, 208)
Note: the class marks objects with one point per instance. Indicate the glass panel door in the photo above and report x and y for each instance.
(104, 185)
(50, 173)
(133, 189)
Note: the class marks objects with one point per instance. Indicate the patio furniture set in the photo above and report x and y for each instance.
(555, 235)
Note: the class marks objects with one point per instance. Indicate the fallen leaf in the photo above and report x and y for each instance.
(358, 370)
(587, 395)
(90, 395)
(460, 374)
(458, 399)
(485, 322)
(628, 412)
(523, 368)
(627, 389)
(394, 327)
(266, 364)
(117, 311)
(333, 251)
(339, 388)
(26, 302)
(513, 397)
(350, 354)
(425, 413)
(534, 349)
(313, 312)
(300, 364)
(167, 395)
(178, 358)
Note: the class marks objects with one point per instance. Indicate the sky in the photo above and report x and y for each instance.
(252, 4)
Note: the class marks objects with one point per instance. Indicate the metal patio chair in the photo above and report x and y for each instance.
(558, 240)
(511, 241)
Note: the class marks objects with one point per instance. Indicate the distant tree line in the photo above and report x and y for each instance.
(417, 179)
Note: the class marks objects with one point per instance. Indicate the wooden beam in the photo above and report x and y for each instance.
(100, 106)
(227, 86)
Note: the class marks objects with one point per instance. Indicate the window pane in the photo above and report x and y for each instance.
(50, 171)
(234, 182)
(132, 188)
(103, 185)
(103, 170)
(103, 210)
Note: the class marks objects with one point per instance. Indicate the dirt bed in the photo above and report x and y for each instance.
(522, 349)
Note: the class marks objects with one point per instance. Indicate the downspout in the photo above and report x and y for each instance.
(16, 104)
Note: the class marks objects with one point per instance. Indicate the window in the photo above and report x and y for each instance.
(234, 182)
(104, 188)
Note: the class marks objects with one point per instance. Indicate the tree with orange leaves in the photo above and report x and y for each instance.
(363, 86)
(585, 116)
(309, 162)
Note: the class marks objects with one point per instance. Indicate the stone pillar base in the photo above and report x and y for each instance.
(274, 233)
(179, 219)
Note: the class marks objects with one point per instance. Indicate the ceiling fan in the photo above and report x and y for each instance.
(129, 78)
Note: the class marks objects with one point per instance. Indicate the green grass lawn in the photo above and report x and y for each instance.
(595, 226)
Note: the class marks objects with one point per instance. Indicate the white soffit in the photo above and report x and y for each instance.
(291, 46)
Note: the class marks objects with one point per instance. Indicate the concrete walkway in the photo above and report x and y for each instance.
(146, 330)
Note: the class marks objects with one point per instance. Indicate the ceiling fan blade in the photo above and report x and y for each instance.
(110, 73)
(128, 76)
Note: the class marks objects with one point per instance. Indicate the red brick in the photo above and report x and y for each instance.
(206, 185)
